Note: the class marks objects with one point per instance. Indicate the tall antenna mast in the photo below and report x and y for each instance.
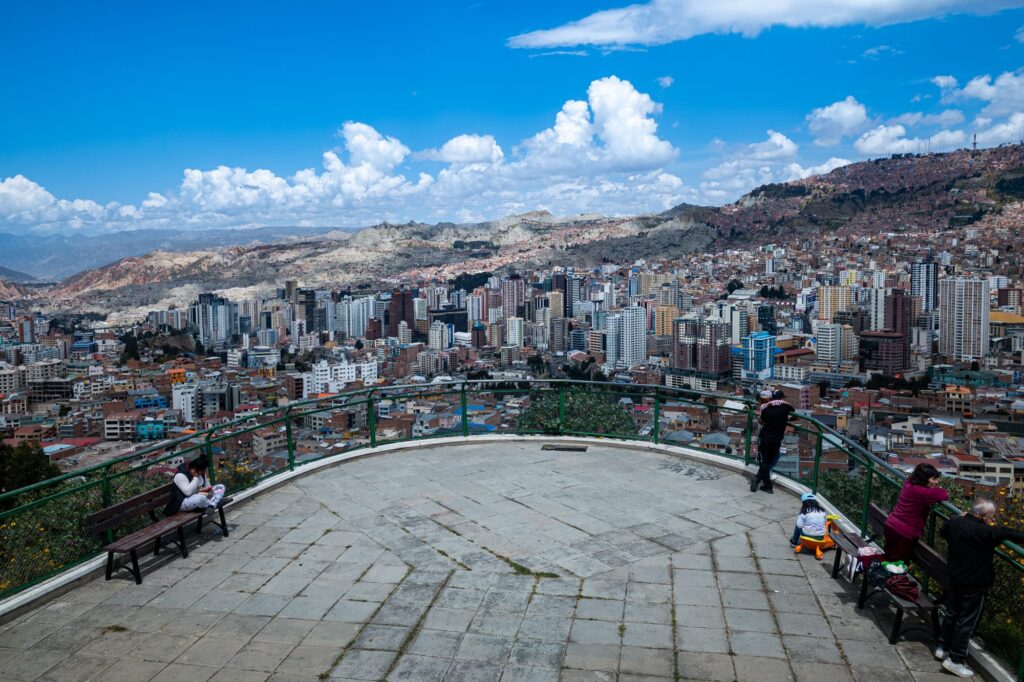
(975, 145)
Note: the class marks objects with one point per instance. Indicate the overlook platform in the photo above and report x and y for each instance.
(439, 563)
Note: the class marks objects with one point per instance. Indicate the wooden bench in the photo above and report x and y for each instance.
(147, 504)
(925, 558)
(848, 545)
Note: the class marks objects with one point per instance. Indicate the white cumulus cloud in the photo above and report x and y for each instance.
(1004, 94)
(467, 149)
(601, 154)
(891, 139)
(797, 172)
(1010, 130)
(949, 117)
(666, 81)
(663, 21)
(830, 124)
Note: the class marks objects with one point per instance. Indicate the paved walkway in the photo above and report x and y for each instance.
(479, 562)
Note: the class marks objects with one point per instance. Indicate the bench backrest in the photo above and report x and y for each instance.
(876, 519)
(932, 563)
(123, 512)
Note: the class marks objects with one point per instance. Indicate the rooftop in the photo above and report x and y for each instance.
(440, 563)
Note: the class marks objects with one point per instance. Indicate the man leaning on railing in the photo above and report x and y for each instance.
(972, 540)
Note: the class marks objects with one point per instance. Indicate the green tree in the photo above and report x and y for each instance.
(536, 363)
(24, 465)
(359, 344)
(585, 412)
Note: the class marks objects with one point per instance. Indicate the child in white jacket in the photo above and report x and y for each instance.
(811, 521)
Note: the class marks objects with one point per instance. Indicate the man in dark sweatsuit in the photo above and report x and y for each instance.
(972, 539)
(774, 417)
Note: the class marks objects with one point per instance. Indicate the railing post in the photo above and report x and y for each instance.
(371, 417)
(465, 415)
(289, 436)
(105, 492)
(817, 463)
(868, 481)
(749, 435)
(208, 449)
(561, 409)
(657, 414)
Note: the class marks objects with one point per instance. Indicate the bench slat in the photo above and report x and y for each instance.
(150, 533)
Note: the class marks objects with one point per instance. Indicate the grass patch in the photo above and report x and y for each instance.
(622, 629)
(518, 567)
(114, 628)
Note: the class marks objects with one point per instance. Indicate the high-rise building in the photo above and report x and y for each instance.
(559, 335)
(476, 307)
(876, 308)
(626, 339)
(556, 302)
(924, 278)
(215, 318)
(832, 299)
(766, 318)
(478, 334)
(758, 350)
(404, 333)
(702, 347)
(401, 309)
(963, 318)
(437, 336)
(882, 351)
(664, 316)
(514, 331)
(835, 343)
(899, 318)
(513, 295)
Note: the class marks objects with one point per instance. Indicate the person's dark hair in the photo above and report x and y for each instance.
(810, 506)
(778, 395)
(923, 473)
(199, 464)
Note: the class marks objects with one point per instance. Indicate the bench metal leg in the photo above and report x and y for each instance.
(181, 542)
(863, 591)
(835, 564)
(110, 564)
(135, 567)
(894, 636)
(156, 546)
(199, 523)
(223, 520)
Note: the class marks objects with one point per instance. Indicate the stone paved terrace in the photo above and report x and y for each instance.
(400, 567)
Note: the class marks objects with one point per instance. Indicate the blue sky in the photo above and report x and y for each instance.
(106, 105)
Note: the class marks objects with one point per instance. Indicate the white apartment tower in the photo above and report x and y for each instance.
(963, 318)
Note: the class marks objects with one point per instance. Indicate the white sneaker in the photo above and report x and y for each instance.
(958, 669)
(940, 653)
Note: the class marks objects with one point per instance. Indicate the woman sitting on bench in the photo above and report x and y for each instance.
(191, 491)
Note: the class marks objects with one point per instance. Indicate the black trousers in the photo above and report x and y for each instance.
(768, 456)
(963, 611)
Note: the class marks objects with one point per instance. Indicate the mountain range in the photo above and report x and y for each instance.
(903, 192)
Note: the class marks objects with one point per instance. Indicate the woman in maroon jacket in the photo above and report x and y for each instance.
(905, 522)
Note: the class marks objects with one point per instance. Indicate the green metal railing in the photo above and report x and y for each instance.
(43, 530)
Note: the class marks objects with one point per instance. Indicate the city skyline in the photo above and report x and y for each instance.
(213, 119)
